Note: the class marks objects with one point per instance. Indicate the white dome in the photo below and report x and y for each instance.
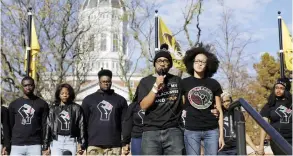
(88, 4)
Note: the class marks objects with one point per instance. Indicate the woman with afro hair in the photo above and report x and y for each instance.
(201, 94)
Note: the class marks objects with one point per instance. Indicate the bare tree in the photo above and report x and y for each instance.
(64, 55)
(58, 32)
(140, 17)
(193, 8)
(230, 44)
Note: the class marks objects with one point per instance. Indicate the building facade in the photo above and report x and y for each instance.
(105, 45)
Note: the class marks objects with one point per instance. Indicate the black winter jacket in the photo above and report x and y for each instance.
(77, 127)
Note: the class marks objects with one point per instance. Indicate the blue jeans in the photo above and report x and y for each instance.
(192, 140)
(26, 150)
(162, 142)
(63, 144)
(136, 146)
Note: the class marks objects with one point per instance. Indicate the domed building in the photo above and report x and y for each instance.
(105, 46)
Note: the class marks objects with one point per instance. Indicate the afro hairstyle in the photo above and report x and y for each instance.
(212, 60)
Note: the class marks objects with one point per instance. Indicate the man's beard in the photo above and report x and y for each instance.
(162, 71)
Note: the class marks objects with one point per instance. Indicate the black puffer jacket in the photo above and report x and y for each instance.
(77, 127)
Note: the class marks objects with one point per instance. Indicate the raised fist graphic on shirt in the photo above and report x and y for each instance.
(141, 113)
(200, 97)
(284, 114)
(64, 119)
(27, 113)
(105, 109)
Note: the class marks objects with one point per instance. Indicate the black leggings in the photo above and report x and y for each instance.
(276, 150)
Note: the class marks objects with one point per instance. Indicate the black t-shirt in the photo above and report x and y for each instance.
(280, 116)
(200, 99)
(104, 114)
(28, 120)
(64, 121)
(166, 110)
(229, 131)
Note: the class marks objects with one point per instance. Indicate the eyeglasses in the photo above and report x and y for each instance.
(199, 62)
(162, 61)
(105, 82)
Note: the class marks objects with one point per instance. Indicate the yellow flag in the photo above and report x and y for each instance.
(166, 36)
(35, 49)
(287, 46)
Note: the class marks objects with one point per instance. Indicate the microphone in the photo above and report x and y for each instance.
(161, 72)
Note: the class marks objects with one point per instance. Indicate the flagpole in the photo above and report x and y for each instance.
(156, 31)
(29, 41)
(281, 45)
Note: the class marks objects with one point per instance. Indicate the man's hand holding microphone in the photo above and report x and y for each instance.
(159, 85)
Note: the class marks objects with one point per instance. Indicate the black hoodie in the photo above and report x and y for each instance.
(104, 113)
(280, 116)
(133, 122)
(28, 121)
(5, 129)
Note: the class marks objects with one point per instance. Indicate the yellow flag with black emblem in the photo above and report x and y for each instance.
(35, 49)
(166, 36)
(287, 46)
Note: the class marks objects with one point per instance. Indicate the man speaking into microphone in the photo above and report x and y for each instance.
(160, 96)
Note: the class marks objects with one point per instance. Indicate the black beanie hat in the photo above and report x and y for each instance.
(105, 72)
(285, 82)
(163, 52)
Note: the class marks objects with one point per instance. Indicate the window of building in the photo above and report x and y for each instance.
(106, 65)
(115, 42)
(117, 65)
(103, 42)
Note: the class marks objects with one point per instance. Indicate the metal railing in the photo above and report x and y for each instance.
(240, 128)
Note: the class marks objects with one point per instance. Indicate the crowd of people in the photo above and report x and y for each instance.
(168, 115)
